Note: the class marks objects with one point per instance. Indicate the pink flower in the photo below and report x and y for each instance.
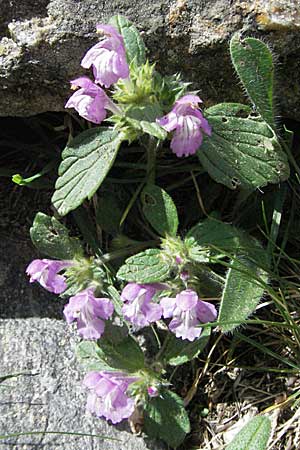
(46, 272)
(139, 308)
(108, 57)
(90, 101)
(187, 313)
(188, 123)
(108, 396)
(88, 311)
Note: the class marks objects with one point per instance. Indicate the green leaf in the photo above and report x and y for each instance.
(145, 267)
(112, 352)
(52, 238)
(153, 129)
(142, 118)
(244, 286)
(166, 418)
(212, 233)
(243, 150)
(178, 351)
(91, 356)
(134, 44)
(109, 213)
(86, 162)
(159, 210)
(253, 436)
(253, 63)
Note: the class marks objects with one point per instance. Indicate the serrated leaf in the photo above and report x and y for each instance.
(253, 63)
(159, 210)
(52, 238)
(178, 351)
(243, 150)
(244, 286)
(253, 436)
(166, 418)
(112, 352)
(86, 162)
(145, 267)
(134, 44)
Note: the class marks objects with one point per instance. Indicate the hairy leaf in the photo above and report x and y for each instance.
(253, 62)
(211, 233)
(111, 353)
(52, 238)
(145, 267)
(86, 162)
(159, 210)
(166, 418)
(243, 150)
(244, 285)
(253, 436)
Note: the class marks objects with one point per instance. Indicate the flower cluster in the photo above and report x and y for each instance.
(87, 310)
(186, 309)
(108, 61)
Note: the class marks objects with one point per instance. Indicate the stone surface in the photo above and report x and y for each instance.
(44, 40)
(47, 394)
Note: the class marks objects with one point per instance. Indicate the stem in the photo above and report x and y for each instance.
(290, 156)
(162, 349)
(151, 159)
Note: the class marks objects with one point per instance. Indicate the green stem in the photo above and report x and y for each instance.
(163, 347)
(151, 159)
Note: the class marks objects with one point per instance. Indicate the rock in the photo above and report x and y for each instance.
(44, 41)
(46, 393)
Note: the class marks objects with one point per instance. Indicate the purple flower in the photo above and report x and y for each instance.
(45, 271)
(188, 123)
(187, 312)
(138, 307)
(90, 101)
(108, 57)
(89, 312)
(107, 395)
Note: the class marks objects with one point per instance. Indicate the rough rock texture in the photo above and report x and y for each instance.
(44, 41)
(47, 395)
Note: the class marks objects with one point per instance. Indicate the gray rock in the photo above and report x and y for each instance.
(44, 41)
(47, 394)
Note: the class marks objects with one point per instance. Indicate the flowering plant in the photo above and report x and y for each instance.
(167, 284)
